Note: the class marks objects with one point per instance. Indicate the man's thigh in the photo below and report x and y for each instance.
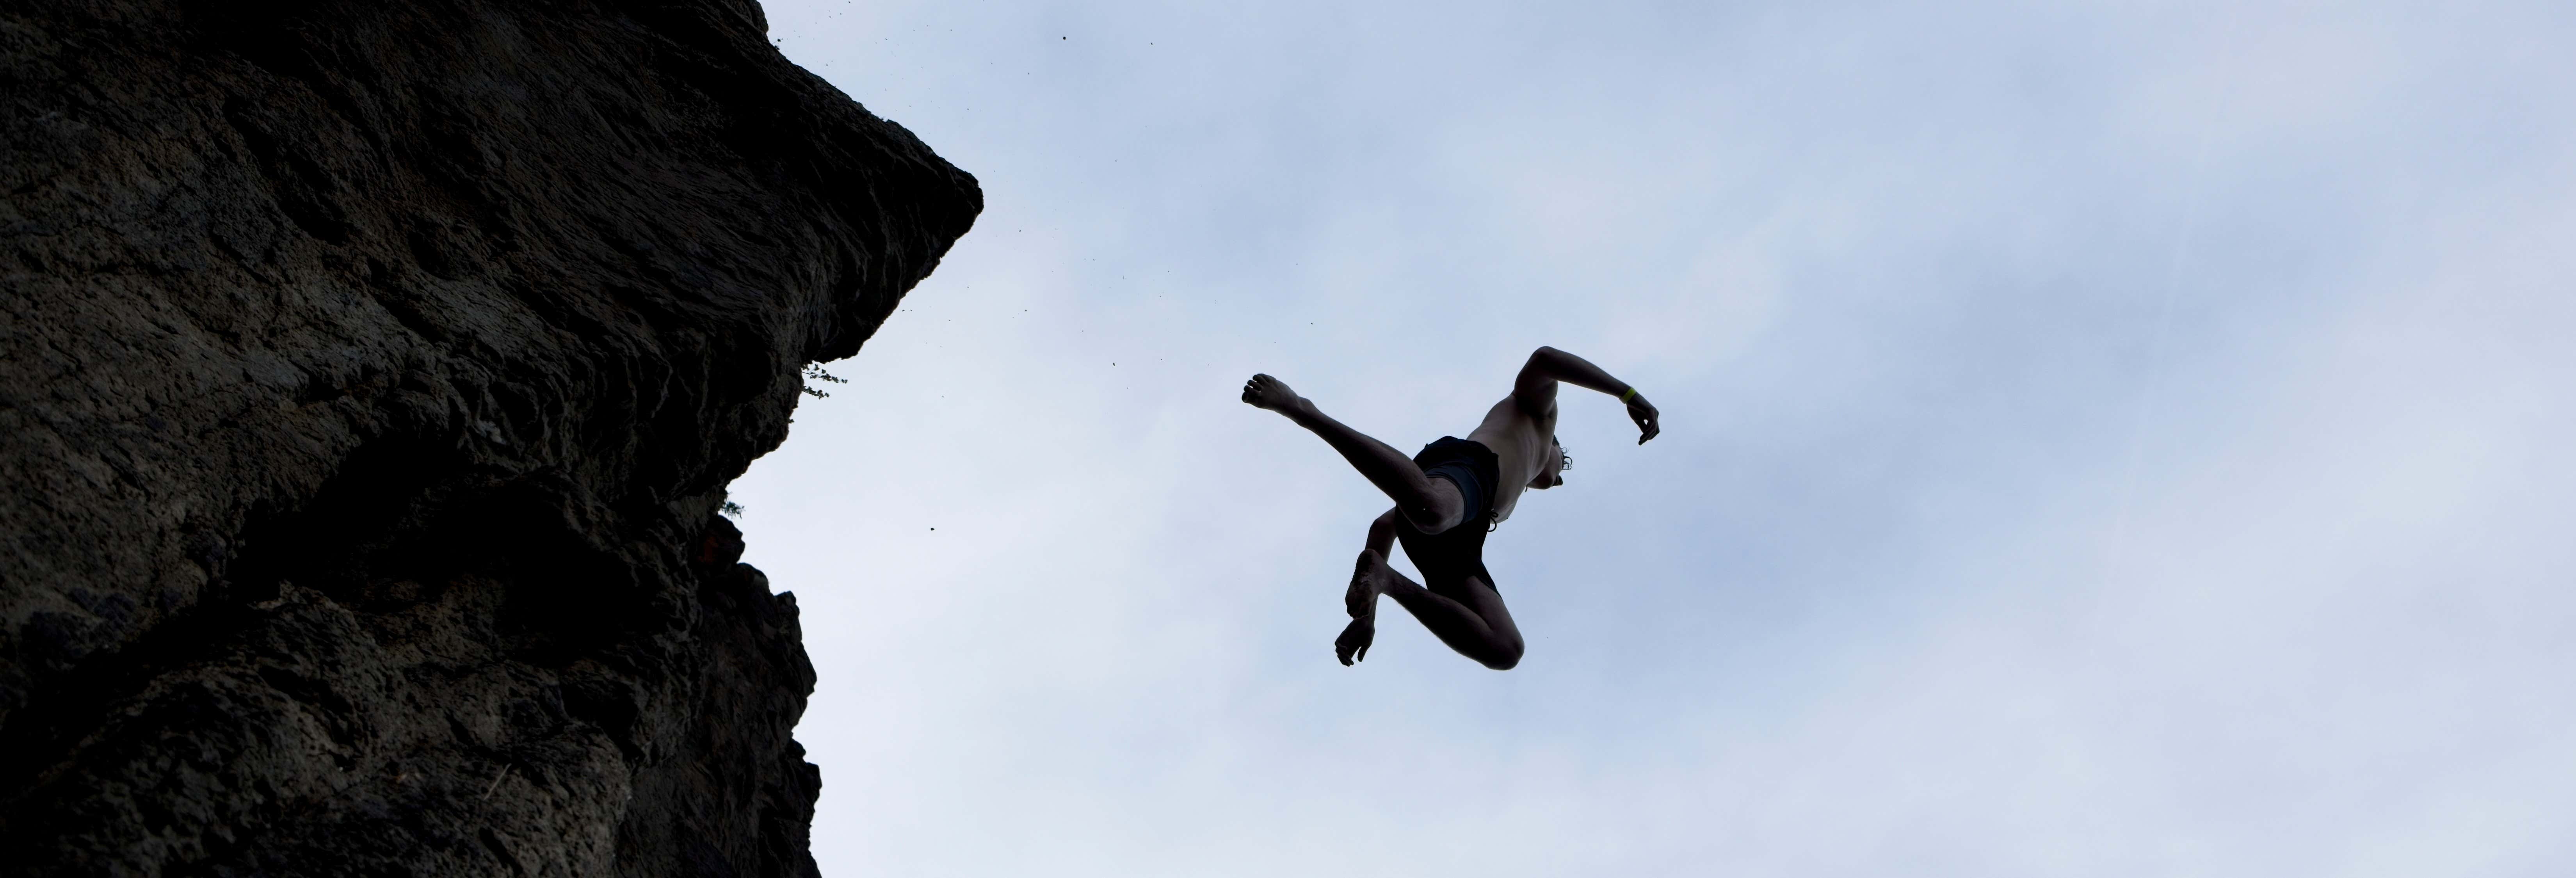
(1443, 504)
(1478, 595)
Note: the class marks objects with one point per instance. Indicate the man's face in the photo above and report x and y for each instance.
(1551, 468)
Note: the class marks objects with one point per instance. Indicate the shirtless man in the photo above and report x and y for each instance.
(1448, 497)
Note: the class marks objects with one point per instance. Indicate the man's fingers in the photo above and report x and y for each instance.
(1363, 655)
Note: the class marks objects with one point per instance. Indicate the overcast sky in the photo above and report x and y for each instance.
(2127, 439)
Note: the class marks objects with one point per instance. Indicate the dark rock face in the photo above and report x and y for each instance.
(369, 378)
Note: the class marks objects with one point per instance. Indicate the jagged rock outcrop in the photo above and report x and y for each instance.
(370, 376)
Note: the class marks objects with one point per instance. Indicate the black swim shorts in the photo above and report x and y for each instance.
(1469, 465)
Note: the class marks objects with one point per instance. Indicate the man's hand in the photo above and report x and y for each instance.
(1648, 420)
(1361, 601)
(1354, 643)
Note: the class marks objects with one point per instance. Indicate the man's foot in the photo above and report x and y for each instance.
(1367, 580)
(1270, 393)
(1361, 602)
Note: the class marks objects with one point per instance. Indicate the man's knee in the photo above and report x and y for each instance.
(1504, 657)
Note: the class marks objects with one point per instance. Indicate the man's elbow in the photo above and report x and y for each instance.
(1540, 367)
(1535, 387)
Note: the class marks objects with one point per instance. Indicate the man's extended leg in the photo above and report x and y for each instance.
(1478, 627)
(1431, 504)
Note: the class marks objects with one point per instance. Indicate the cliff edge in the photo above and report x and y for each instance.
(371, 374)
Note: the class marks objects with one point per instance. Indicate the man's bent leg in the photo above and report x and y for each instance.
(1431, 504)
(1478, 627)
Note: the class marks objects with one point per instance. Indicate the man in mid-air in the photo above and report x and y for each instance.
(1448, 497)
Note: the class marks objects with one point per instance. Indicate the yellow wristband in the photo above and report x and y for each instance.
(1631, 394)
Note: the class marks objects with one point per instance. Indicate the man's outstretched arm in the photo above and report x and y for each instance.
(1535, 388)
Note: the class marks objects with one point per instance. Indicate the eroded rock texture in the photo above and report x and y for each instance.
(370, 375)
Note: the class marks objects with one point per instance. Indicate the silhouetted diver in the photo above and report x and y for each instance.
(1447, 497)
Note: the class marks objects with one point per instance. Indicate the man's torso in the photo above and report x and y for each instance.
(1518, 440)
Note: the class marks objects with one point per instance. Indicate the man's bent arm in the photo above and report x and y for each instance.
(1535, 389)
(1547, 366)
(1381, 537)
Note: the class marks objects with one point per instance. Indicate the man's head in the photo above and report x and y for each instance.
(1551, 466)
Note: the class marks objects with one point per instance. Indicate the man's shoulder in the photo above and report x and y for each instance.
(1512, 414)
(1514, 434)
(1509, 418)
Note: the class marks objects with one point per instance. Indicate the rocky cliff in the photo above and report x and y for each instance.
(370, 377)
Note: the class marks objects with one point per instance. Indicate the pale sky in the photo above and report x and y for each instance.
(2103, 440)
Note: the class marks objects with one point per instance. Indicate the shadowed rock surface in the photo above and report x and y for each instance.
(369, 379)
